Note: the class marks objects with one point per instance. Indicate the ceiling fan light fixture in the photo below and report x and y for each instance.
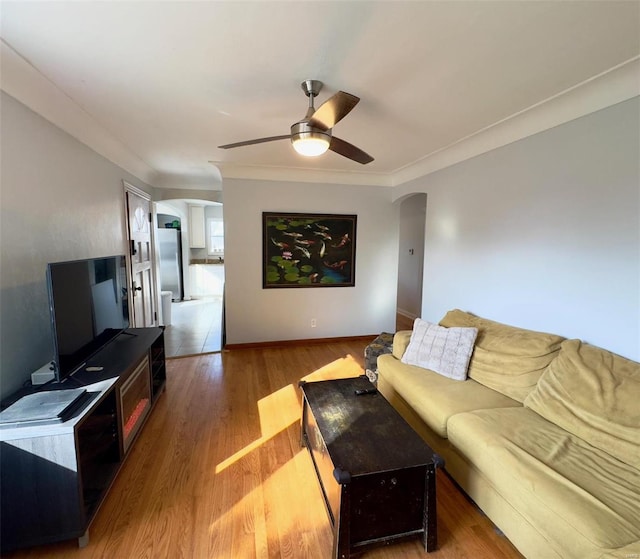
(311, 147)
(312, 136)
(309, 141)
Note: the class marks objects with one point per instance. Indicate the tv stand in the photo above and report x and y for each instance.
(69, 382)
(55, 477)
(128, 333)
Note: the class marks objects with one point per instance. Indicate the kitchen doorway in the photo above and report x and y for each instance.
(195, 318)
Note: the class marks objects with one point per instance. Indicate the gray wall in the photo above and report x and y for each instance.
(543, 233)
(59, 200)
(254, 314)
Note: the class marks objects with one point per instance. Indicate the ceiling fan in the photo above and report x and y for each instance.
(313, 135)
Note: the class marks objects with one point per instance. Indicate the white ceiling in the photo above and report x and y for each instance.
(156, 86)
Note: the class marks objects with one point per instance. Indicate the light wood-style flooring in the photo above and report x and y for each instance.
(218, 471)
(403, 322)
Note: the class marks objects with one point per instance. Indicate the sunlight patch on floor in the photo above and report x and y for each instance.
(345, 367)
(277, 412)
(295, 510)
(275, 489)
(281, 409)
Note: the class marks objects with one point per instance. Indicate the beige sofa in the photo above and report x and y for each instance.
(544, 436)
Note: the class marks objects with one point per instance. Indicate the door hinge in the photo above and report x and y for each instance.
(150, 217)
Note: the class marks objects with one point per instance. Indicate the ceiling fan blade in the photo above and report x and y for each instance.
(258, 141)
(349, 150)
(333, 110)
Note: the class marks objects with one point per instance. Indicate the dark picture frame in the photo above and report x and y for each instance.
(308, 250)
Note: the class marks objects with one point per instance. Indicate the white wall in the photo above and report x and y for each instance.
(254, 314)
(59, 200)
(543, 233)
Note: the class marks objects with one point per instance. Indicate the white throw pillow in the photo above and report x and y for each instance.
(445, 351)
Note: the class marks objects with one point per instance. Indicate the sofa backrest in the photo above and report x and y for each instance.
(507, 359)
(595, 395)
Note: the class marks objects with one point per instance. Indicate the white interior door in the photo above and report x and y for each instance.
(141, 257)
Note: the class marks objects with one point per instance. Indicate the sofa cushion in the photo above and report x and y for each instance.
(445, 351)
(507, 359)
(436, 398)
(584, 499)
(595, 395)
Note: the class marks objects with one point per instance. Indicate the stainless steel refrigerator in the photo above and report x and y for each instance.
(169, 246)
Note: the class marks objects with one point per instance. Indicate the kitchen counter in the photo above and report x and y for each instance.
(212, 261)
(206, 279)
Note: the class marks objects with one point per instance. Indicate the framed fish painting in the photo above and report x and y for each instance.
(308, 250)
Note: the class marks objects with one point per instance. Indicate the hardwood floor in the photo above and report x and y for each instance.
(403, 322)
(218, 471)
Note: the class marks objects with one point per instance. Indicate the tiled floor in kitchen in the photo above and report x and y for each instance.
(196, 327)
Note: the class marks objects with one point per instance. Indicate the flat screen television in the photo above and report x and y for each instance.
(89, 307)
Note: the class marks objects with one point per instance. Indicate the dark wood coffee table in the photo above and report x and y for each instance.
(376, 474)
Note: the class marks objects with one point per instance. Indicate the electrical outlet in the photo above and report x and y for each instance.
(313, 323)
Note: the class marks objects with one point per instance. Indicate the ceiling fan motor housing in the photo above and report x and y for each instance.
(303, 130)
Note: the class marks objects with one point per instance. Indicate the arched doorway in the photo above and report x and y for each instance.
(413, 210)
(194, 311)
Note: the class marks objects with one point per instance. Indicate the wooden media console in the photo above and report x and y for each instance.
(54, 477)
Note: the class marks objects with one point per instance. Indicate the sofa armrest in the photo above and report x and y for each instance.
(400, 342)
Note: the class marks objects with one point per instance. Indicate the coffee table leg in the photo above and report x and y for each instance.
(429, 521)
(341, 529)
(303, 416)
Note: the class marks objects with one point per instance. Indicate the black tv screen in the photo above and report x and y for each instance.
(89, 308)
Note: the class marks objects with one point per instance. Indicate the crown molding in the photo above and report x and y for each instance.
(212, 181)
(301, 175)
(25, 83)
(613, 86)
(604, 90)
